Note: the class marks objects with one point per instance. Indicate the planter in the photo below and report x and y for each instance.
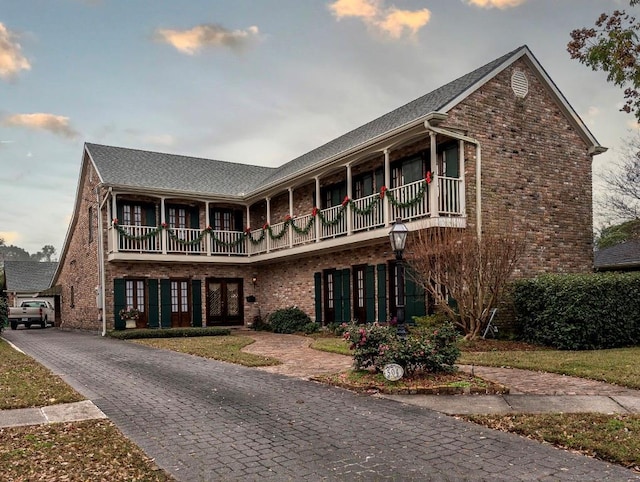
(130, 323)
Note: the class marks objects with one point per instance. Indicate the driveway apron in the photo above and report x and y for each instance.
(203, 420)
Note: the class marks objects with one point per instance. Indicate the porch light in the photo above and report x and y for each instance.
(398, 238)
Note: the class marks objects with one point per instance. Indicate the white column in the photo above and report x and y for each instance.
(163, 219)
(115, 235)
(349, 195)
(317, 206)
(247, 242)
(290, 228)
(462, 186)
(387, 182)
(434, 209)
(266, 235)
(207, 222)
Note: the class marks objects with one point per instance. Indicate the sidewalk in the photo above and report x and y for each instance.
(530, 392)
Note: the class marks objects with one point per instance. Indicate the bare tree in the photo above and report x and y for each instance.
(458, 265)
(623, 198)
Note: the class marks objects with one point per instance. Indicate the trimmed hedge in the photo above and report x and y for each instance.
(292, 320)
(168, 333)
(579, 312)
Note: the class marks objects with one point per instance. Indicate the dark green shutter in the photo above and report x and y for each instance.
(196, 307)
(194, 221)
(153, 317)
(238, 220)
(346, 296)
(382, 293)
(369, 289)
(414, 299)
(119, 213)
(165, 303)
(451, 161)
(150, 215)
(119, 302)
(337, 295)
(317, 280)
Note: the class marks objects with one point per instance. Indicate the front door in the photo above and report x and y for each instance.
(180, 306)
(135, 298)
(329, 276)
(224, 301)
(359, 294)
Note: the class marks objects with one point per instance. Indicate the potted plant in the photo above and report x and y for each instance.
(130, 316)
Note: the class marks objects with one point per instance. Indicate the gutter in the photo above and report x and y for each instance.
(101, 273)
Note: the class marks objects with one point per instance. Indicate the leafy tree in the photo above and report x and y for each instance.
(613, 47)
(14, 253)
(459, 265)
(618, 233)
(45, 254)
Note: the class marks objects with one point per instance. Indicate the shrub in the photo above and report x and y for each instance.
(337, 328)
(579, 312)
(259, 324)
(168, 333)
(289, 320)
(426, 350)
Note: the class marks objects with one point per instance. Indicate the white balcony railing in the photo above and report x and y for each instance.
(409, 202)
(185, 240)
(139, 239)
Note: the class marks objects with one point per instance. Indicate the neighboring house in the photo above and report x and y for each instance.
(193, 242)
(29, 279)
(621, 257)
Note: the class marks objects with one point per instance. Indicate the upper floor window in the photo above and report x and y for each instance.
(137, 214)
(90, 216)
(226, 219)
(177, 218)
(333, 195)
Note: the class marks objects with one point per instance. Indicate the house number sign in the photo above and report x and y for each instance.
(392, 372)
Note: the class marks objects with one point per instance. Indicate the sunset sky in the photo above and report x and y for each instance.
(248, 81)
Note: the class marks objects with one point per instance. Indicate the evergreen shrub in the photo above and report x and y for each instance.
(290, 320)
(168, 333)
(579, 312)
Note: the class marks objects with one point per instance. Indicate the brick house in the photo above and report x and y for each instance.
(193, 242)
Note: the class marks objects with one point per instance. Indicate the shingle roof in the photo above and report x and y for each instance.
(621, 256)
(28, 276)
(136, 168)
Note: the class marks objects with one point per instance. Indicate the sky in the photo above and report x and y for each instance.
(250, 81)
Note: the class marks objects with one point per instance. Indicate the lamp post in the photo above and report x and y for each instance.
(398, 238)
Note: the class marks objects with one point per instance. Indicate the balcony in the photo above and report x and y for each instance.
(355, 221)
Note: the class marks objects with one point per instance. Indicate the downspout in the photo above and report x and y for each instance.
(101, 272)
(470, 140)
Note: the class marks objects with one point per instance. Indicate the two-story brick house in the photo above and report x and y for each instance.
(192, 242)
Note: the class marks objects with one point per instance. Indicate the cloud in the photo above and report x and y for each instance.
(392, 21)
(496, 3)
(193, 40)
(55, 124)
(10, 237)
(166, 140)
(11, 59)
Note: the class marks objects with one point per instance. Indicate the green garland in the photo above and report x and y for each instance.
(288, 222)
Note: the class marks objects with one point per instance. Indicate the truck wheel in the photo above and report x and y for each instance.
(14, 325)
(43, 323)
(28, 325)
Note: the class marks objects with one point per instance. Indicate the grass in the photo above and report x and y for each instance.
(614, 438)
(25, 383)
(618, 366)
(221, 348)
(78, 451)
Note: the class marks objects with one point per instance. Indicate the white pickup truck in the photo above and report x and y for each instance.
(32, 312)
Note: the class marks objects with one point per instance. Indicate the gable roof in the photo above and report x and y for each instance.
(621, 256)
(168, 172)
(28, 276)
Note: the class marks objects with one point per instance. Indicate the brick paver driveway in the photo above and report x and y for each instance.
(206, 420)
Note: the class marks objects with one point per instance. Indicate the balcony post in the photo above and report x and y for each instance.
(349, 212)
(317, 206)
(461, 187)
(386, 208)
(208, 223)
(163, 220)
(290, 228)
(266, 235)
(247, 225)
(434, 208)
(116, 235)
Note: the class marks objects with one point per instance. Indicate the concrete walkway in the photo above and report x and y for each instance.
(530, 392)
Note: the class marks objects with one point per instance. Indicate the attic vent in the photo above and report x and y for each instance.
(519, 83)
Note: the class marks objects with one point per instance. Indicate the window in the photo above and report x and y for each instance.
(134, 295)
(132, 215)
(333, 195)
(226, 219)
(90, 216)
(177, 217)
